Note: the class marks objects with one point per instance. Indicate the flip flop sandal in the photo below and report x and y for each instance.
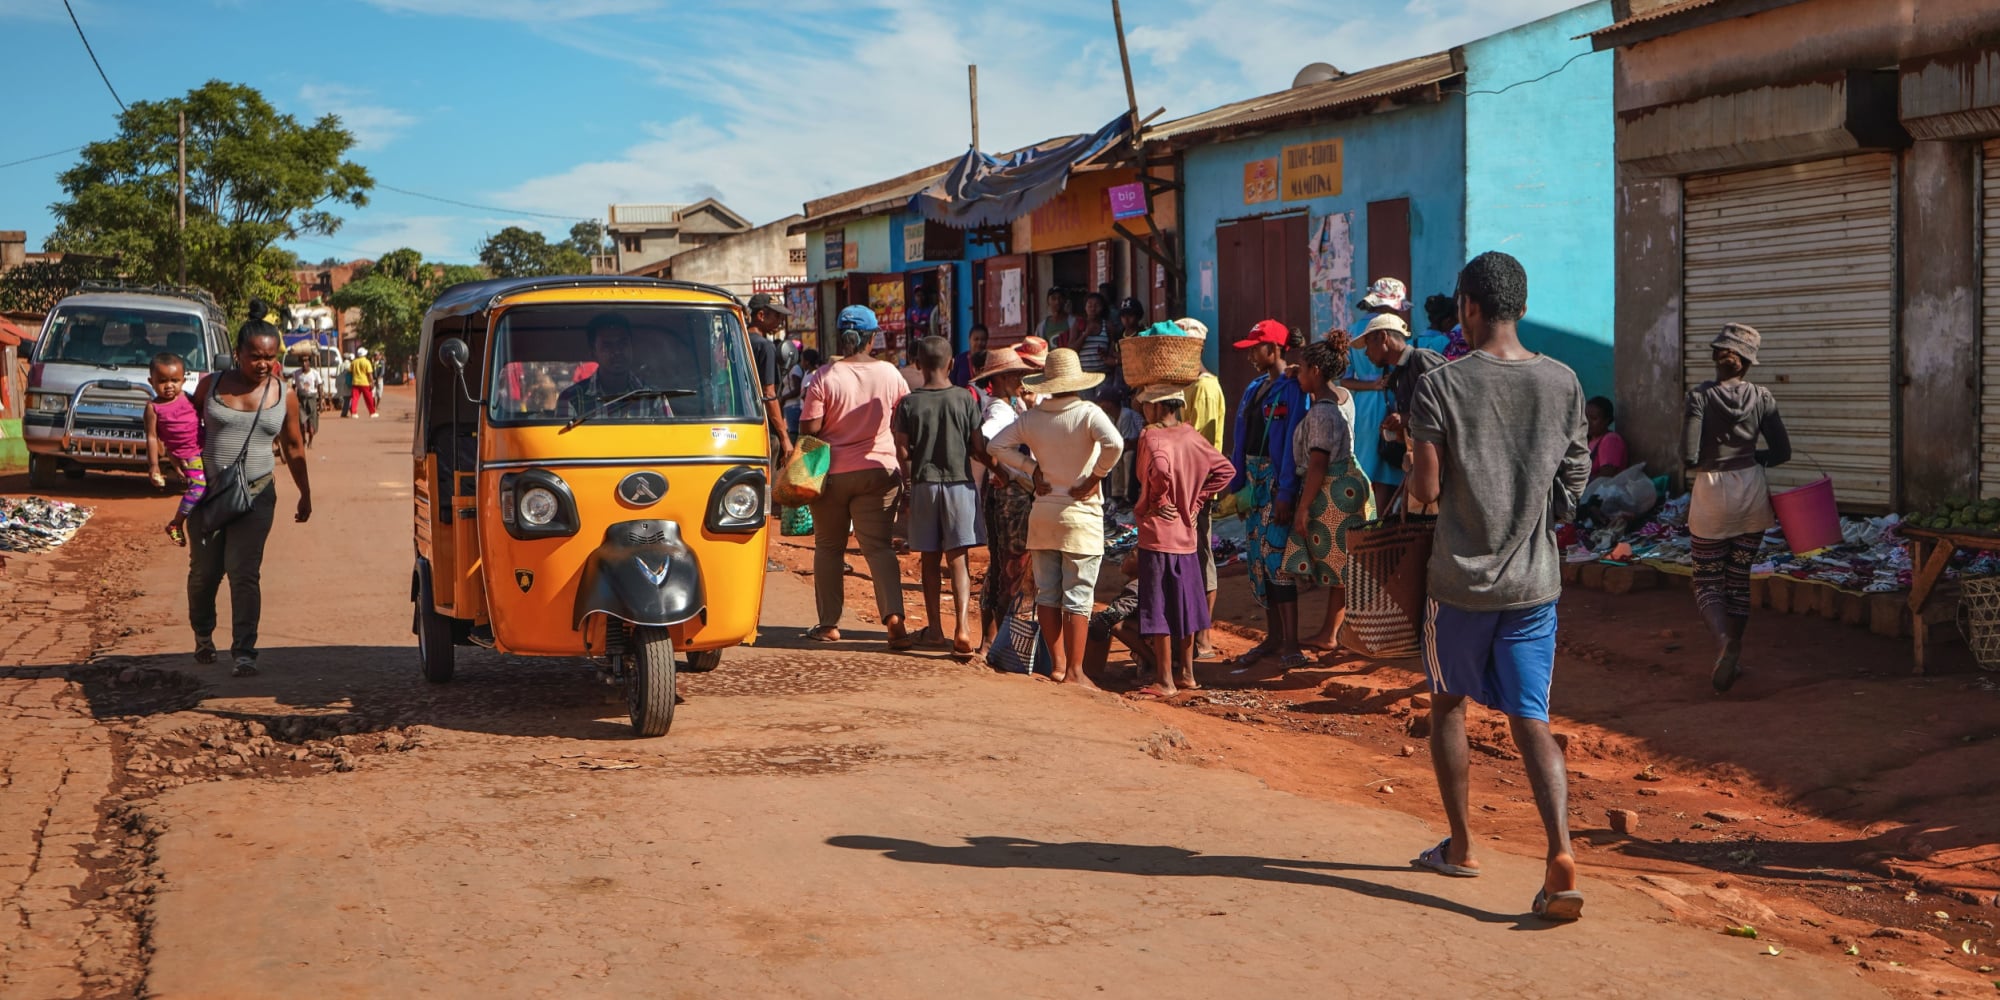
(1562, 907)
(1293, 661)
(204, 651)
(823, 633)
(1434, 860)
(1150, 692)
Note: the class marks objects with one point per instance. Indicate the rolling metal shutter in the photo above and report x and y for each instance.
(1989, 327)
(1806, 254)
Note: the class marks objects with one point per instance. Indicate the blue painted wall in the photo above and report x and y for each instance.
(1539, 180)
(961, 276)
(1416, 153)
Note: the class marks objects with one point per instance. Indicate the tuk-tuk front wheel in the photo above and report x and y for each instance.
(649, 680)
(435, 645)
(701, 663)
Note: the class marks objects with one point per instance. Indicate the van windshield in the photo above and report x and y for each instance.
(668, 362)
(95, 335)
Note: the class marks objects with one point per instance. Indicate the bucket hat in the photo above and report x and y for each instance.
(1387, 321)
(1063, 373)
(1740, 338)
(1386, 293)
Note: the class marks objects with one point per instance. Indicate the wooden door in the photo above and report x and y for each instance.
(1389, 242)
(1005, 300)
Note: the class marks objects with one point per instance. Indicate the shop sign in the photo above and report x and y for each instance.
(1311, 170)
(803, 301)
(913, 240)
(1260, 181)
(1128, 201)
(851, 258)
(885, 296)
(836, 253)
(1082, 213)
(772, 283)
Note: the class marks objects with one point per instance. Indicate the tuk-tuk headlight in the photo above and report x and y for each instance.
(538, 507)
(742, 502)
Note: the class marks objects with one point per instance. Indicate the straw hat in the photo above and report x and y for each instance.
(1063, 373)
(1034, 351)
(1000, 361)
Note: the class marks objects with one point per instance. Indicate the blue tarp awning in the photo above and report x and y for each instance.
(982, 191)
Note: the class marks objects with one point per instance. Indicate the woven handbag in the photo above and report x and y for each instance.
(804, 475)
(1387, 564)
(1148, 360)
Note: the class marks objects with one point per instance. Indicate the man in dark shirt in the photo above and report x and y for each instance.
(1386, 340)
(767, 327)
(610, 338)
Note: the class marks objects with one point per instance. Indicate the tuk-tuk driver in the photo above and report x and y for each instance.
(610, 337)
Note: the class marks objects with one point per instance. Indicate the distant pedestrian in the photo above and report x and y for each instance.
(1500, 450)
(1072, 446)
(963, 366)
(1057, 324)
(1009, 495)
(767, 333)
(1731, 505)
(1179, 473)
(363, 379)
(310, 384)
(1387, 345)
(1272, 407)
(346, 397)
(793, 396)
(936, 430)
(1380, 457)
(1334, 493)
(1092, 339)
(849, 406)
(1441, 314)
(1206, 410)
(244, 412)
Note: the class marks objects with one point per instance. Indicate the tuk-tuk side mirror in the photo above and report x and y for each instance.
(452, 351)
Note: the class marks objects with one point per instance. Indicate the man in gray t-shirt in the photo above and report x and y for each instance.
(1500, 448)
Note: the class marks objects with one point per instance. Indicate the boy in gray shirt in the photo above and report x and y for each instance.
(1500, 448)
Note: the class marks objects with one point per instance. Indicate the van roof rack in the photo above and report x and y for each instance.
(177, 291)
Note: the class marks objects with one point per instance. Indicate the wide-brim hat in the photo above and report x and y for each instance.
(1034, 351)
(1063, 373)
(1000, 361)
(1159, 392)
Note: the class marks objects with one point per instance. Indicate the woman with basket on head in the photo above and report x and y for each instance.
(1731, 504)
(1272, 408)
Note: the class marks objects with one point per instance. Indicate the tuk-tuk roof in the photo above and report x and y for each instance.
(478, 296)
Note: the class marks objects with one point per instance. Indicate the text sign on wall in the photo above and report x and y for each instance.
(851, 259)
(1310, 171)
(1260, 181)
(913, 240)
(836, 249)
(1128, 201)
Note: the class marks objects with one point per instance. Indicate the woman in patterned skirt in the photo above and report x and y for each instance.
(1006, 499)
(1336, 491)
(1271, 410)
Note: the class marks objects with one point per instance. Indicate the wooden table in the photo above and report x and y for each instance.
(1929, 569)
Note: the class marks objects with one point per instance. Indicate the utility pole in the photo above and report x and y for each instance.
(1125, 61)
(972, 85)
(181, 214)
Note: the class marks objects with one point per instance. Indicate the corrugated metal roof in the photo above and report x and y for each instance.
(1682, 7)
(626, 214)
(1366, 85)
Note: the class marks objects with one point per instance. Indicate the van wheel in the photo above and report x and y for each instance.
(41, 471)
(435, 645)
(649, 680)
(701, 663)
(73, 472)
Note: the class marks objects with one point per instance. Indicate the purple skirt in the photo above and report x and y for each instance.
(1173, 597)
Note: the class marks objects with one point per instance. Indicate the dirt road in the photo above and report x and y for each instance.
(822, 822)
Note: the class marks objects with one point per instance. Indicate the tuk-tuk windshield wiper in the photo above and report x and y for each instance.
(606, 404)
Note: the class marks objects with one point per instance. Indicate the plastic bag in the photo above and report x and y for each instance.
(1627, 494)
(804, 475)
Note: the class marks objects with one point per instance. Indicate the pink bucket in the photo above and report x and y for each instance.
(1809, 517)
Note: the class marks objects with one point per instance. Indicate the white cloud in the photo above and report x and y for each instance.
(374, 125)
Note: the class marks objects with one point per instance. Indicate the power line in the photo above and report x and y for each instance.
(1523, 83)
(44, 156)
(482, 208)
(93, 56)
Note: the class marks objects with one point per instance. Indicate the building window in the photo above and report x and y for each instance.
(632, 244)
(797, 255)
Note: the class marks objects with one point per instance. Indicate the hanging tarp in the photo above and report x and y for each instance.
(982, 191)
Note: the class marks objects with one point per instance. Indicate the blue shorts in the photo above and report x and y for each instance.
(1504, 660)
(944, 516)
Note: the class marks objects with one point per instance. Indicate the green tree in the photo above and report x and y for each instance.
(515, 252)
(254, 177)
(391, 311)
(589, 238)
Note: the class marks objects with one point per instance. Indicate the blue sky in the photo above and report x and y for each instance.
(565, 106)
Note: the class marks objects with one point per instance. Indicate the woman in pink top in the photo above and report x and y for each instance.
(1179, 472)
(1607, 447)
(849, 406)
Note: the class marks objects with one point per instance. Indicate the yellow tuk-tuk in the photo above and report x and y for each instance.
(590, 477)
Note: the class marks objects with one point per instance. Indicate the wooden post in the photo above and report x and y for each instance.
(181, 214)
(1125, 61)
(972, 85)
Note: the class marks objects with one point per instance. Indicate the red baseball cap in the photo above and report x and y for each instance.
(1269, 331)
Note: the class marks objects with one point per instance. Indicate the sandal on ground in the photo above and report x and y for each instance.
(204, 651)
(1562, 906)
(1434, 860)
(245, 667)
(901, 642)
(823, 633)
(930, 637)
(1151, 692)
(1209, 654)
(1293, 661)
(1250, 658)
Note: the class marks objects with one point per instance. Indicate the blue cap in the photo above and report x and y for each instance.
(857, 318)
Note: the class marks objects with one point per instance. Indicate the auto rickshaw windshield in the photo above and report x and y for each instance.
(668, 362)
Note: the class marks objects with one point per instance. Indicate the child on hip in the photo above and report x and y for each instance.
(173, 433)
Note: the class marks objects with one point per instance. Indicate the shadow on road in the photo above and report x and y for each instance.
(1158, 860)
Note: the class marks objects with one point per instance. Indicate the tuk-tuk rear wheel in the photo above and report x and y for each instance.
(649, 680)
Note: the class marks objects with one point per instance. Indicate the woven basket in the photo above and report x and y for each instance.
(1148, 360)
(1385, 577)
(1979, 618)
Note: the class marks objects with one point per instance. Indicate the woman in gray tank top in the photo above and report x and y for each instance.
(243, 411)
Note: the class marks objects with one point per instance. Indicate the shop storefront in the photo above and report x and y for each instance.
(1074, 243)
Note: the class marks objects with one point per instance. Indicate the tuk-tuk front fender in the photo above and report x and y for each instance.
(642, 574)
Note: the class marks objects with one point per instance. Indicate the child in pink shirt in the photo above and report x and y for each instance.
(1179, 472)
(173, 431)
